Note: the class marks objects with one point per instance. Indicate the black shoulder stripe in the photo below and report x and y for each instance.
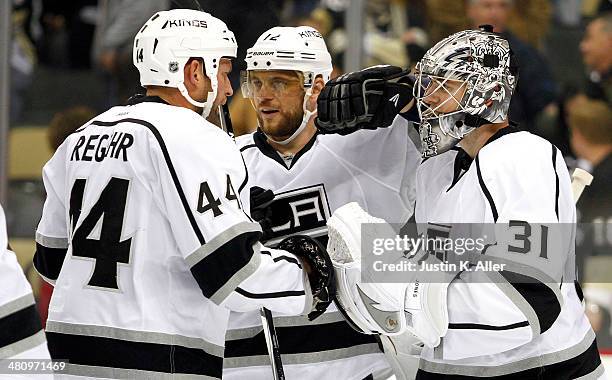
(217, 268)
(554, 162)
(117, 353)
(540, 297)
(19, 325)
(289, 293)
(485, 190)
(478, 326)
(247, 147)
(48, 261)
(175, 179)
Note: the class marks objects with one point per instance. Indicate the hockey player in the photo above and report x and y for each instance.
(309, 175)
(21, 333)
(524, 321)
(143, 232)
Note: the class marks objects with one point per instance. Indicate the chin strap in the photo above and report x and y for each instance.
(307, 115)
(206, 106)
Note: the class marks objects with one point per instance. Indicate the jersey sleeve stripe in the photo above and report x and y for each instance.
(16, 305)
(134, 336)
(311, 339)
(540, 297)
(16, 328)
(48, 261)
(564, 364)
(289, 293)
(97, 352)
(220, 240)
(554, 162)
(51, 242)
(478, 326)
(219, 272)
(486, 192)
(164, 149)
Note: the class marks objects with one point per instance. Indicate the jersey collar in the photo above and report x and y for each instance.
(260, 140)
(511, 128)
(142, 98)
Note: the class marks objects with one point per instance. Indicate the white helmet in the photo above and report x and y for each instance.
(299, 49)
(483, 61)
(168, 39)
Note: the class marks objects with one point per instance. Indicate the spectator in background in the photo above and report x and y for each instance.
(62, 125)
(536, 87)
(394, 32)
(22, 58)
(590, 123)
(596, 49)
(118, 23)
(66, 122)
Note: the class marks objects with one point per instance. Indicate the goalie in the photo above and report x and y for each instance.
(523, 321)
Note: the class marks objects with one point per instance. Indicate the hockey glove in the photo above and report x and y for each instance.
(321, 273)
(366, 99)
(392, 308)
(260, 210)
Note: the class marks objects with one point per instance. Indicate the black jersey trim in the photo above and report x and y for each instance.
(116, 353)
(461, 165)
(247, 147)
(588, 362)
(540, 297)
(478, 326)
(19, 325)
(261, 142)
(48, 261)
(142, 98)
(216, 269)
(283, 257)
(288, 293)
(511, 128)
(300, 339)
(485, 190)
(554, 162)
(177, 184)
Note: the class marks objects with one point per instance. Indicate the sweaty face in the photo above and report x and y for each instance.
(442, 96)
(278, 98)
(596, 46)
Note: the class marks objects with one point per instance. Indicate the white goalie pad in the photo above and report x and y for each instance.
(385, 308)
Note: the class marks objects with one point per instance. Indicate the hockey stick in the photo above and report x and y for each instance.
(580, 180)
(272, 343)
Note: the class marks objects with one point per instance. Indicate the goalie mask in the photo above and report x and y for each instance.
(474, 74)
(300, 49)
(167, 40)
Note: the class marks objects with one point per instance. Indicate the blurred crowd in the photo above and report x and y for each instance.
(72, 59)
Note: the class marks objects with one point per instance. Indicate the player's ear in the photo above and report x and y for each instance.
(317, 87)
(194, 72)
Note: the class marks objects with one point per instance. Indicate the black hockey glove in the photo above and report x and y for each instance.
(321, 272)
(260, 212)
(366, 99)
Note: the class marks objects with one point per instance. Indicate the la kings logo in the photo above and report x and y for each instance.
(300, 211)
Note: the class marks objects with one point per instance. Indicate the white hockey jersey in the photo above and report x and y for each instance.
(374, 168)
(21, 334)
(145, 237)
(509, 328)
